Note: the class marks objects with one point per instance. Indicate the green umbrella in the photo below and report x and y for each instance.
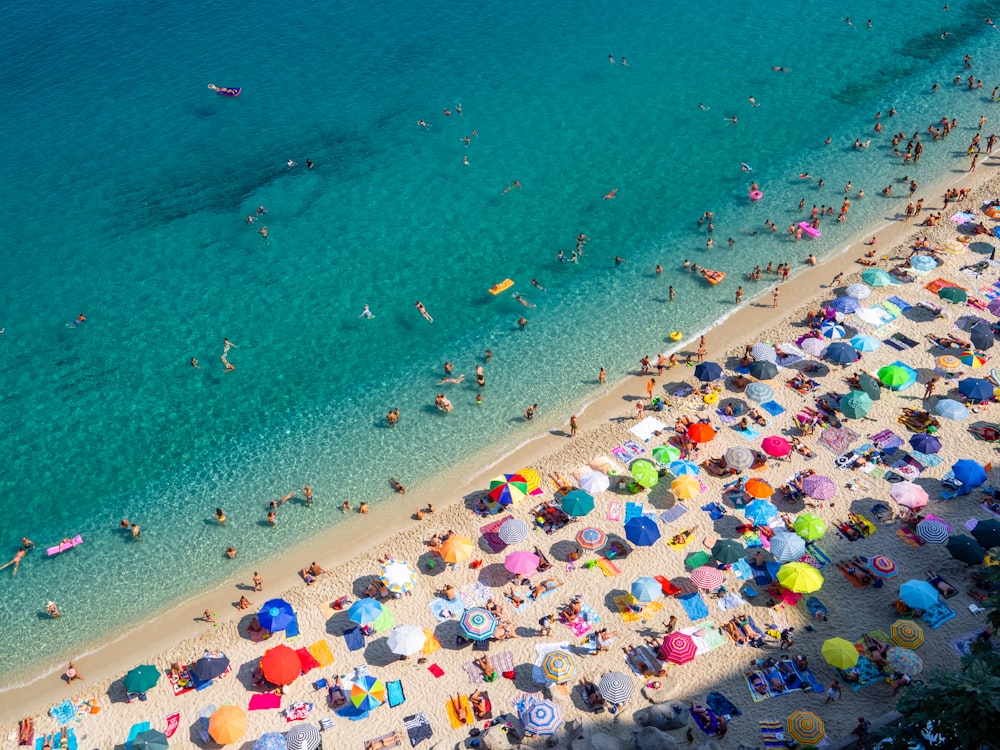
(728, 551)
(876, 277)
(855, 404)
(577, 503)
(141, 679)
(953, 294)
(644, 473)
(893, 376)
(666, 454)
(151, 739)
(809, 526)
(870, 386)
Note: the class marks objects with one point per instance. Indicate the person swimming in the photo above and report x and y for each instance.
(423, 311)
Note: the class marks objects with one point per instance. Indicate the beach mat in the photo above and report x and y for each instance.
(673, 513)
(607, 567)
(614, 512)
(306, 659)
(435, 670)
(773, 734)
(760, 575)
(491, 535)
(320, 651)
(721, 705)
(694, 606)
(418, 728)
(773, 408)
(696, 560)
(668, 588)
(394, 693)
(937, 614)
(354, 639)
(264, 701)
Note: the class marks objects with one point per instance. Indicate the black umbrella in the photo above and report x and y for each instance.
(728, 551)
(707, 372)
(966, 549)
(981, 335)
(870, 386)
(210, 666)
(987, 533)
(842, 353)
(763, 370)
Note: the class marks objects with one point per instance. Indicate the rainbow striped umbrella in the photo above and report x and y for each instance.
(973, 359)
(508, 489)
(531, 478)
(906, 633)
(806, 728)
(883, 566)
(591, 538)
(368, 693)
(558, 666)
(478, 624)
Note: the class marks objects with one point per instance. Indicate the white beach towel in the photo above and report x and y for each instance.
(645, 429)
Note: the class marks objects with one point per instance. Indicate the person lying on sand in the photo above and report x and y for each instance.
(757, 682)
(480, 704)
(946, 589)
(458, 707)
(485, 666)
(591, 695)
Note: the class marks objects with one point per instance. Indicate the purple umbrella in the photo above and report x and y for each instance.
(819, 487)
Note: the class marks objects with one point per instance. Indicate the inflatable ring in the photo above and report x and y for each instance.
(964, 238)
(676, 335)
(710, 398)
(756, 195)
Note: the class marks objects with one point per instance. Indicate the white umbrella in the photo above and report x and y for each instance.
(407, 640)
(813, 346)
(594, 482)
(513, 530)
(859, 291)
(764, 353)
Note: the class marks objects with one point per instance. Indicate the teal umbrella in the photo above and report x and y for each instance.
(141, 679)
(953, 294)
(151, 739)
(876, 277)
(855, 404)
(577, 503)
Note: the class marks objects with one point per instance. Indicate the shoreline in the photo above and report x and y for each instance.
(355, 538)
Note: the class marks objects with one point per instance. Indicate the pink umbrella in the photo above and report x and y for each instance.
(819, 487)
(776, 446)
(521, 563)
(679, 648)
(909, 495)
(706, 577)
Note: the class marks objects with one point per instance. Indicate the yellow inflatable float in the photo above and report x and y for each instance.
(676, 335)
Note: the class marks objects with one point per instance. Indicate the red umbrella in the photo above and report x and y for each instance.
(679, 648)
(281, 665)
(701, 432)
(776, 446)
(708, 578)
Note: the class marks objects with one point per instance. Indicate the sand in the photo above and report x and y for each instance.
(352, 555)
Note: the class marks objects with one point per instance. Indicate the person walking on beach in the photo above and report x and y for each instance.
(833, 693)
(649, 388)
(258, 582)
(573, 426)
(774, 297)
(930, 388)
(836, 279)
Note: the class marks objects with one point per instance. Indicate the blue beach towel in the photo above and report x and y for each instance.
(722, 705)
(64, 713)
(715, 511)
(672, 514)
(937, 614)
(772, 569)
(70, 737)
(292, 631)
(814, 606)
(810, 678)
(632, 510)
(439, 606)
(394, 691)
(760, 575)
(694, 606)
(749, 433)
(902, 304)
(822, 559)
(773, 408)
(741, 569)
(355, 639)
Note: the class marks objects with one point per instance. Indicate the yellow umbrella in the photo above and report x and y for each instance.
(686, 487)
(432, 644)
(806, 728)
(949, 362)
(800, 578)
(839, 653)
(227, 725)
(457, 549)
(532, 478)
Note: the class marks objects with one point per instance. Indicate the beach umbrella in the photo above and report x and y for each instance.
(859, 291)
(642, 531)
(478, 624)
(763, 370)
(367, 693)
(882, 566)
(969, 473)
(303, 737)
(141, 678)
(398, 576)
(364, 611)
(646, 589)
(814, 346)
(953, 294)
(595, 481)
(845, 305)
(762, 352)
(210, 666)
(951, 409)
(839, 653)
(903, 661)
(842, 352)
(759, 392)
(800, 578)
(708, 578)
(665, 454)
(909, 495)
(870, 386)
(532, 478)
(981, 335)
(457, 549)
(522, 563)
(987, 533)
(923, 262)
(966, 549)
(616, 687)
(833, 330)
(228, 724)
(275, 615)
(728, 551)
(855, 405)
(591, 538)
(906, 633)
(406, 640)
(153, 739)
(819, 487)
(976, 389)
(558, 666)
(508, 489)
(776, 446)
(933, 531)
(973, 359)
(924, 442)
(678, 648)
(686, 487)
(681, 468)
(787, 547)
(918, 594)
(739, 457)
(893, 376)
(706, 372)
(280, 665)
(577, 503)
(806, 728)
(876, 277)
(866, 343)
(949, 362)
(760, 512)
(644, 472)
(271, 741)
(512, 531)
(541, 717)
(994, 306)
(810, 527)
(758, 488)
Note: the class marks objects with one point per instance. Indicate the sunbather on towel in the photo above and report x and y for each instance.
(757, 682)
(877, 651)
(635, 657)
(480, 704)
(987, 433)
(945, 588)
(458, 707)
(801, 448)
(591, 695)
(390, 740)
(730, 628)
(336, 694)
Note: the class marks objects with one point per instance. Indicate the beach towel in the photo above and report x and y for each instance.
(298, 711)
(320, 651)
(673, 513)
(925, 460)
(891, 342)
(726, 418)
(306, 659)
(633, 510)
(815, 606)
(418, 728)
(721, 705)
(394, 693)
(453, 717)
(773, 734)
(646, 429)
(963, 644)
(705, 635)
(731, 601)
(647, 655)
(963, 217)
(760, 575)
(435, 670)
(614, 511)
(910, 537)
(71, 740)
(173, 722)
(758, 697)
(622, 454)
(491, 535)
(697, 559)
(624, 603)
(292, 630)
(681, 390)
(681, 544)
(866, 671)
(899, 302)
(444, 609)
(887, 440)
(355, 639)
(838, 439)
(607, 567)
(264, 701)
(503, 663)
(579, 627)
(874, 316)
(64, 713)
(634, 448)
(26, 731)
(773, 408)
(815, 556)
(715, 511)
(937, 615)
(750, 433)
(694, 606)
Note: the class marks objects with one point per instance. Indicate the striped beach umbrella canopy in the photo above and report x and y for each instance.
(398, 576)
(865, 343)
(800, 578)
(876, 277)
(904, 661)
(906, 633)
(522, 563)
(682, 468)
(591, 538)
(739, 457)
(616, 687)
(646, 589)
(923, 262)
(368, 693)
(759, 392)
(577, 503)
(925, 443)
(758, 488)
(665, 454)
(275, 615)
(596, 481)
(973, 359)
(814, 346)
(708, 578)
(280, 665)
(918, 594)
(810, 527)
(763, 370)
(478, 624)
(855, 405)
(846, 305)
(457, 549)
(706, 372)
(701, 432)
(303, 737)
(933, 531)
(883, 567)
(532, 478)
(762, 352)
(271, 741)
(728, 551)
(833, 330)
(806, 728)
(686, 487)
(364, 611)
(558, 666)
(406, 640)
(909, 495)
(949, 362)
(786, 546)
(819, 487)
(859, 291)
(513, 530)
(760, 512)
(839, 653)
(678, 648)
(228, 724)
(508, 489)
(642, 531)
(949, 408)
(542, 717)
(776, 446)
(987, 533)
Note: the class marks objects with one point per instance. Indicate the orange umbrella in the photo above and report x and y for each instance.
(759, 489)
(701, 432)
(457, 549)
(228, 724)
(281, 665)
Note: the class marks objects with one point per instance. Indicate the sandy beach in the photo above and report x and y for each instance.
(351, 552)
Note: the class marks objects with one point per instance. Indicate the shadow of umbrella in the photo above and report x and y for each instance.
(983, 248)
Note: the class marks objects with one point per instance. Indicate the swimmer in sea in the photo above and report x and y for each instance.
(16, 560)
(459, 379)
(366, 313)
(534, 283)
(80, 320)
(423, 124)
(779, 69)
(194, 363)
(611, 59)
(732, 120)
(702, 107)
(522, 300)
(292, 164)
(250, 220)
(423, 311)
(516, 184)
(263, 233)
(753, 102)
(612, 194)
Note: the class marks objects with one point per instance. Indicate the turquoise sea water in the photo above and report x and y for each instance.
(127, 182)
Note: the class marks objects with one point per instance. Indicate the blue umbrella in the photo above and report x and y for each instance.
(271, 741)
(763, 370)
(680, 468)
(787, 547)
(832, 330)
(210, 666)
(759, 392)
(642, 531)
(923, 262)
(925, 443)
(364, 611)
(949, 408)
(646, 589)
(707, 372)
(981, 335)
(846, 305)
(760, 512)
(918, 594)
(969, 473)
(865, 343)
(977, 389)
(842, 353)
(275, 615)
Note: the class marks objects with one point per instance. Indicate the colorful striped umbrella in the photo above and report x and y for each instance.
(678, 648)
(522, 563)
(933, 531)
(923, 262)
(228, 724)
(904, 661)
(882, 566)
(707, 577)
(832, 330)
(531, 478)
(806, 728)
(839, 653)
(577, 503)
(739, 457)
(591, 538)
(457, 549)
(760, 512)
(280, 665)
(759, 392)
(776, 446)
(508, 489)
(616, 687)
(398, 576)
(685, 487)
(800, 578)
(973, 359)
(906, 633)
(478, 624)
(558, 666)
(701, 432)
(513, 530)
(810, 527)
(819, 487)
(949, 362)
(368, 693)
(542, 718)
